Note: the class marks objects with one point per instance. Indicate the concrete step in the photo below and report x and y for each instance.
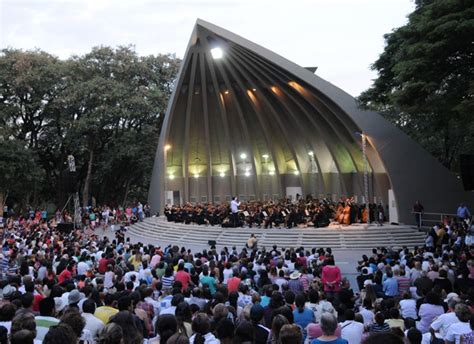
(344, 237)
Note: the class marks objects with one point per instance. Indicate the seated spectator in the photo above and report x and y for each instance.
(202, 330)
(351, 330)
(379, 324)
(60, 334)
(456, 330)
(290, 334)
(394, 321)
(328, 329)
(408, 307)
(46, 318)
(429, 311)
(302, 316)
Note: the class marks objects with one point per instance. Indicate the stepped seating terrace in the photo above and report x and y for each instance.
(356, 236)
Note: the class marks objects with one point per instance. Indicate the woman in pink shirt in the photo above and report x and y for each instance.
(331, 277)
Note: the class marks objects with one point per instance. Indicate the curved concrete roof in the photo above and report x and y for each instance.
(256, 103)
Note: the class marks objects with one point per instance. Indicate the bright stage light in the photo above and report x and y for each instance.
(243, 156)
(296, 172)
(310, 153)
(217, 53)
(196, 175)
(171, 176)
(167, 147)
(247, 173)
(265, 156)
(222, 174)
(272, 173)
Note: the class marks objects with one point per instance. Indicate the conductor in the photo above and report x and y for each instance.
(234, 209)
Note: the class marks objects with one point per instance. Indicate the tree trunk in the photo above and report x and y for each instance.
(87, 181)
(127, 188)
(3, 200)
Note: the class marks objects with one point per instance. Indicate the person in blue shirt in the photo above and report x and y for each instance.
(302, 316)
(390, 285)
(463, 212)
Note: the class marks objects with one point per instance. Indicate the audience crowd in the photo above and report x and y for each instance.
(87, 287)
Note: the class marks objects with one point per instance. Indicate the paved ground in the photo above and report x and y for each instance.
(345, 259)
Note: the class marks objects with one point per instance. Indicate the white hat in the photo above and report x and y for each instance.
(295, 275)
(7, 291)
(367, 282)
(451, 296)
(59, 304)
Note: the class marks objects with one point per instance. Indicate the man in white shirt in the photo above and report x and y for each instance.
(456, 330)
(444, 321)
(351, 330)
(148, 293)
(46, 318)
(82, 266)
(93, 324)
(234, 209)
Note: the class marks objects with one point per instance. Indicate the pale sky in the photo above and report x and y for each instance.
(341, 37)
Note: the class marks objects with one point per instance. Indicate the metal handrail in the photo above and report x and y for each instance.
(440, 219)
(426, 213)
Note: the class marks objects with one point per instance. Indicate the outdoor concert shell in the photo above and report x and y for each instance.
(255, 125)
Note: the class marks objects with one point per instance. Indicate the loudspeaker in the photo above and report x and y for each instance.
(467, 171)
(65, 227)
(69, 181)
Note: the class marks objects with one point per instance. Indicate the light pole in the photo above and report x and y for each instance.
(243, 156)
(166, 149)
(313, 170)
(265, 158)
(196, 176)
(366, 173)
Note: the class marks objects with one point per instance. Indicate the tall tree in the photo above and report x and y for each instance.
(425, 82)
(30, 84)
(114, 95)
(104, 107)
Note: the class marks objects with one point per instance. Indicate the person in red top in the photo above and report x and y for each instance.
(66, 274)
(331, 276)
(233, 282)
(102, 268)
(301, 259)
(183, 276)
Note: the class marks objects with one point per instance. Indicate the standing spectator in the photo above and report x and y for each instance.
(463, 212)
(418, 209)
(331, 277)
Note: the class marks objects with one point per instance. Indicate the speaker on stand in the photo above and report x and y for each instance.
(467, 171)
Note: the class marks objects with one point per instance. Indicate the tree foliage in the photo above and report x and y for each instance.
(425, 78)
(105, 108)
